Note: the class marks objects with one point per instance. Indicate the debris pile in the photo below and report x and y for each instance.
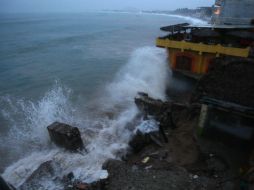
(160, 110)
(176, 131)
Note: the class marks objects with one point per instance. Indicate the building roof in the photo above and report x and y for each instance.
(184, 26)
(220, 26)
(175, 27)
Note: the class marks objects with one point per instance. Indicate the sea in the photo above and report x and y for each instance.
(82, 69)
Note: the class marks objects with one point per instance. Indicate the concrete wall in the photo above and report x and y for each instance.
(235, 12)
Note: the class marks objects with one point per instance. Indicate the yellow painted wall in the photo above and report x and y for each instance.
(200, 62)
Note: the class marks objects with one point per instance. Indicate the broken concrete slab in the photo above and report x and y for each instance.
(162, 111)
(149, 105)
(65, 136)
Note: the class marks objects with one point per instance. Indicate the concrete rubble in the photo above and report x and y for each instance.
(185, 161)
(65, 136)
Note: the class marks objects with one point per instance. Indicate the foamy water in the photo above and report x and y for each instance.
(80, 53)
(105, 137)
(190, 20)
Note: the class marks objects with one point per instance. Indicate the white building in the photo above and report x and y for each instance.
(233, 12)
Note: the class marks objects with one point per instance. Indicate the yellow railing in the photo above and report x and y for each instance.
(203, 48)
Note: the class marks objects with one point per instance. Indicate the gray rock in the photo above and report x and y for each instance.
(149, 105)
(139, 141)
(43, 173)
(161, 111)
(65, 136)
(4, 185)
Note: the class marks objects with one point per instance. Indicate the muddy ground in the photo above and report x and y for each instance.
(185, 162)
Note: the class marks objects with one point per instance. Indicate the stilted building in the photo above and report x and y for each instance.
(192, 48)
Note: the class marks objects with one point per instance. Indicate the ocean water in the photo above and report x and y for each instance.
(81, 69)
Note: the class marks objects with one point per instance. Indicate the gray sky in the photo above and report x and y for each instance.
(83, 5)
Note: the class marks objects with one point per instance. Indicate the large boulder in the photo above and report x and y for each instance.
(65, 136)
(146, 133)
(149, 105)
(139, 141)
(161, 111)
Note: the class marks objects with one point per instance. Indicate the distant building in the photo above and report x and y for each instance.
(205, 12)
(233, 12)
(192, 48)
(200, 12)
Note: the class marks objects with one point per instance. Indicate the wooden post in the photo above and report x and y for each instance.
(202, 118)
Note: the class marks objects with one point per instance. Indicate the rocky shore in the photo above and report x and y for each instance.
(166, 151)
(176, 156)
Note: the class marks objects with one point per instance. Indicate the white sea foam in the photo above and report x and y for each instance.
(28, 119)
(191, 20)
(146, 71)
(148, 126)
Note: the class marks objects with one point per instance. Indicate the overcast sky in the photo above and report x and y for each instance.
(83, 5)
